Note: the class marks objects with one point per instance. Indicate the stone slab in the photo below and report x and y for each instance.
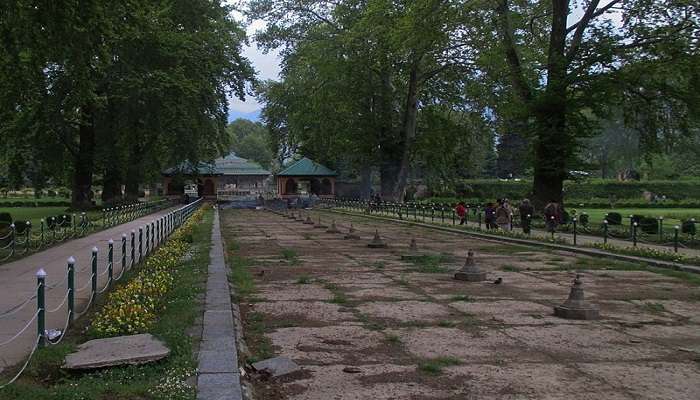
(217, 361)
(277, 366)
(226, 386)
(133, 349)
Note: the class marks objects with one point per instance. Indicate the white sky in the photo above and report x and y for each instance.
(266, 65)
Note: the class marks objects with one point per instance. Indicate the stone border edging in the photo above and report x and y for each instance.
(217, 372)
(555, 246)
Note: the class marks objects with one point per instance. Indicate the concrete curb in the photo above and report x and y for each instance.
(217, 374)
(537, 243)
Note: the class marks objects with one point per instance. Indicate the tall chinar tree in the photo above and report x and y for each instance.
(121, 88)
(357, 73)
(566, 60)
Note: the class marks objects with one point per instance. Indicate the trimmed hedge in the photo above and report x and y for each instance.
(32, 203)
(596, 190)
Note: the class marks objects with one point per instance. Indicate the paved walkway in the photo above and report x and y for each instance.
(18, 284)
(218, 377)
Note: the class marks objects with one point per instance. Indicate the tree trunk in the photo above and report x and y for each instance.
(408, 131)
(554, 143)
(112, 186)
(83, 163)
(365, 181)
(133, 174)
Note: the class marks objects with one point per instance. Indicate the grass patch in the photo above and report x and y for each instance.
(303, 280)
(447, 324)
(393, 339)
(260, 346)
(291, 256)
(379, 264)
(509, 268)
(461, 297)
(339, 298)
(241, 277)
(429, 263)
(654, 307)
(45, 380)
(434, 366)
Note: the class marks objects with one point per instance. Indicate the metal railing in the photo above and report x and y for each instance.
(19, 238)
(577, 225)
(157, 232)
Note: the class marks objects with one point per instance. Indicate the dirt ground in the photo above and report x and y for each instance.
(414, 332)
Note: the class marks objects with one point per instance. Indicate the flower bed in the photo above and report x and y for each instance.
(133, 307)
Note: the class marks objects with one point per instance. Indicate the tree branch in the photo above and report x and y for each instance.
(596, 14)
(512, 57)
(582, 25)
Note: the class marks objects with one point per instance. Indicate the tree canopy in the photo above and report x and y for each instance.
(116, 89)
(439, 85)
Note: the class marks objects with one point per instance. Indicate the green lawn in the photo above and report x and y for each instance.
(35, 214)
(672, 216)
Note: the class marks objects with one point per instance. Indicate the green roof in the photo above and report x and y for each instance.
(306, 167)
(229, 165)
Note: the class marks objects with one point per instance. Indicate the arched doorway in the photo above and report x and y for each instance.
(290, 187)
(326, 186)
(209, 188)
(315, 186)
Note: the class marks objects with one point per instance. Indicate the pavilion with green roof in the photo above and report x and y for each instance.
(232, 175)
(306, 177)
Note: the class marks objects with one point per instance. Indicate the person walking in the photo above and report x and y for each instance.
(503, 215)
(461, 212)
(552, 215)
(490, 216)
(526, 210)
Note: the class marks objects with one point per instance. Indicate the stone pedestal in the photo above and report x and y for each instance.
(413, 252)
(333, 228)
(320, 225)
(377, 242)
(352, 234)
(308, 221)
(576, 307)
(470, 272)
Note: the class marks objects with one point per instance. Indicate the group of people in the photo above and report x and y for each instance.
(499, 215)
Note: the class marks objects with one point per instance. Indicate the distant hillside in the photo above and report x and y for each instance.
(234, 115)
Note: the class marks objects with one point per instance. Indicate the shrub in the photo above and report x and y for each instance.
(649, 225)
(688, 227)
(5, 218)
(583, 219)
(614, 218)
(133, 307)
(21, 227)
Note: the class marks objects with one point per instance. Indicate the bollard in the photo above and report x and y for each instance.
(123, 251)
(71, 287)
(634, 234)
(528, 221)
(574, 222)
(661, 228)
(479, 216)
(133, 250)
(94, 272)
(41, 222)
(110, 261)
(675, 238)
(27, 236)
(605, 231)
(13, 238)
(41, 306)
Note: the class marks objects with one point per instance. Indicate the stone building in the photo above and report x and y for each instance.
(225, 177)
(306, 177)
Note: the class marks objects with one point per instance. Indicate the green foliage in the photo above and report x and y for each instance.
(250, 140)
(434, 366)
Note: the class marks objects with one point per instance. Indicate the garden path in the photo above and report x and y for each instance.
(18, 283)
